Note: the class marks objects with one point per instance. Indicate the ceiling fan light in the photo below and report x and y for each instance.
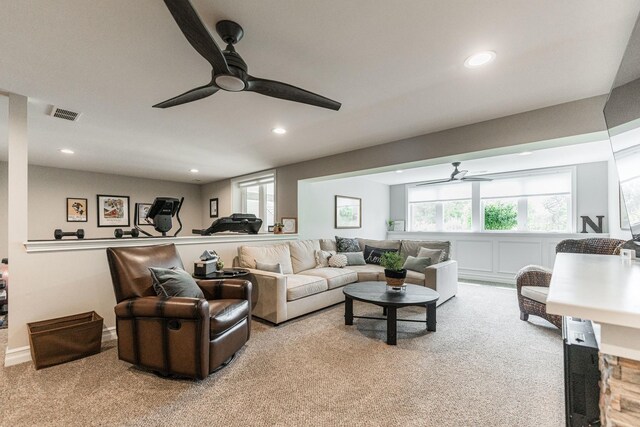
(230, 83)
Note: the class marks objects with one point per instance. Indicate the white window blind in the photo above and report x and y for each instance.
(442, 193)
(525, 186)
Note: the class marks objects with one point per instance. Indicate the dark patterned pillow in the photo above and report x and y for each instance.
(372, 255)
(344, 244)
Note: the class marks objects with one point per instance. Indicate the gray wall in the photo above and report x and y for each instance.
(49, 188)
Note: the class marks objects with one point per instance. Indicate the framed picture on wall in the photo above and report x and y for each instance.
(76, 209)
(213, 208)
(113, 211)
(348, 213)
(142, 210)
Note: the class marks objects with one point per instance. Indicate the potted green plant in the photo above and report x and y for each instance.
(278, 228)
(394, 274)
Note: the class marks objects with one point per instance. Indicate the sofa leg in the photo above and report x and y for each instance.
(524, 316)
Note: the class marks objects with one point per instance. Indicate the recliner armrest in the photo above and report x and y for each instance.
(173, 307)
(226, 289)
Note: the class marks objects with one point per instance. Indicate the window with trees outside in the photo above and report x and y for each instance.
(539, 202)
(536, 201)
(257, 196)
(440, 207)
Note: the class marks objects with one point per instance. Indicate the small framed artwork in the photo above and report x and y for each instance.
(213, 208)
(76, 209)
(113, 211)
(270, 228)
(289, 225)
(142, 210)
(348, 213)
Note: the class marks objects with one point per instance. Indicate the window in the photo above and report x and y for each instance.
(440, 207)
(539, 202)
(257, 196)
(536, 201)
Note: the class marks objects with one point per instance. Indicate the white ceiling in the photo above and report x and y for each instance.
(597, 151)
(395, 66)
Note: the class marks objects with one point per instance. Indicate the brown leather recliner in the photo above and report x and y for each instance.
(176, 336)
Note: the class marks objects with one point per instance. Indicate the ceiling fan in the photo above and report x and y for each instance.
(229, 71)
(456, 176)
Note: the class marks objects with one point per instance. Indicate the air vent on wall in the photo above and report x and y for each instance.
(61, 113)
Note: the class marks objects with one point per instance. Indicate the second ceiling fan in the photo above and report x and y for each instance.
(229, 71)
(456, 175)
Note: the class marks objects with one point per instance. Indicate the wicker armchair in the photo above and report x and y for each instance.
(533, 281)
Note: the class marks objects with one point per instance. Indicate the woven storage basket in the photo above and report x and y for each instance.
(64, 339)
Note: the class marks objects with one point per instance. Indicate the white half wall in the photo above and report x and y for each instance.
(316, 208)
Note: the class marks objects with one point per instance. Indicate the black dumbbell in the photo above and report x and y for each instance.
(59, 234)
(119, 233)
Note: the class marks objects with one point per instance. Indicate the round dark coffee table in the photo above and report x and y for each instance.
(376, 293)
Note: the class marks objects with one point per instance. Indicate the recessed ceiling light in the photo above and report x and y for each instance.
(525, 153)
(399, 171)
(194, 170)
(279, 131)
(479, 59)
(66, 151)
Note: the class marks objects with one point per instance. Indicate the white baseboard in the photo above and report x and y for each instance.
(487, 277)
(16, 356)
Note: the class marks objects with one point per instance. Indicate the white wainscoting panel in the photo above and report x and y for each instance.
(476, 255)
(513, 255)
(496, 256)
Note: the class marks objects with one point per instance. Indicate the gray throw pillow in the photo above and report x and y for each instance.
(272, 268)
(416, 264)
(344, 244)
(174, 282)
(354, 258)
(436, 255)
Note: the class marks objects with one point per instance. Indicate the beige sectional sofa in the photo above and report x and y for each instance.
(303, 288)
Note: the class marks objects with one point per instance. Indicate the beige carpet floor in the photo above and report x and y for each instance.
(482, 367)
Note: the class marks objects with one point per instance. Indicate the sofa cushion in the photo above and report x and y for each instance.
(372, 255)
(225, 313)
(354, 258)
(414, 278)
(382, 244)
(416, 263)
(436, 255)
(412, 247)
(328, 245)
(322, 258)
(368, 273)
(536, 293)
(300, 286)
(271, 254)
(303, 254)
(174, 282)
(335, 277)
(345, 244)
(273, 268)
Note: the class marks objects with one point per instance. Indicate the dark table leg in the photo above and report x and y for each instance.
(392, 325)
(348, 311)
(431, 317)
(384, 311)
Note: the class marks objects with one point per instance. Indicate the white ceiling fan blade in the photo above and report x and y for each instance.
(435, 181)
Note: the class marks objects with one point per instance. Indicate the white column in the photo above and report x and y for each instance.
(17, 211)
